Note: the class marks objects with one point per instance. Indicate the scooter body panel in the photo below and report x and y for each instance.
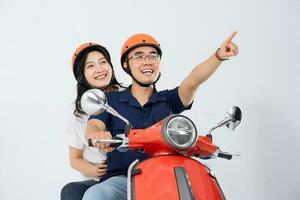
(157, 179)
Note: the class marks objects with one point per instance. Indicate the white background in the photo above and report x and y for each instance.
(38, 37)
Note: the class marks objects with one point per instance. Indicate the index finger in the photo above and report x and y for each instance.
(231, 36)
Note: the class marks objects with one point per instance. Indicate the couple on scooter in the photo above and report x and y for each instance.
(143, 106)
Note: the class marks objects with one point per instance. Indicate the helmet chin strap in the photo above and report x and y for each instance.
(144, 84)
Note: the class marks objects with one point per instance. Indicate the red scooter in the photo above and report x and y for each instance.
(174, 170)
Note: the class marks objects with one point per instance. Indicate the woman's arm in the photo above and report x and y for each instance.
(96, 129)
(78, 163)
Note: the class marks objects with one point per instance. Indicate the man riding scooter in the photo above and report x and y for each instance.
(143, 105)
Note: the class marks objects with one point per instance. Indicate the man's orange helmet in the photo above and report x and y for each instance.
(138, 40)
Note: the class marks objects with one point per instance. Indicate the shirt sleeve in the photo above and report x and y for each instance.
(104, 117)
(175, 102)
(75, 131)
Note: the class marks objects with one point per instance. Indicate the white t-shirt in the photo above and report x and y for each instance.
(75, 133)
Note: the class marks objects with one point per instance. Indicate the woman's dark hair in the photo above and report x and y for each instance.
(82, 84)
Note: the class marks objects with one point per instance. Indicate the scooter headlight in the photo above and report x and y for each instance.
(179, 132)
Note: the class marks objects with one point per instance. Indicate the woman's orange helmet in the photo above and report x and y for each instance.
(138, 40)
(80, 49)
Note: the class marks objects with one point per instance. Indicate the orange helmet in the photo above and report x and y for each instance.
(80, 49)
(89, 47)
(138, 40)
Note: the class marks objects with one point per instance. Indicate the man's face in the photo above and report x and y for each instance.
(144, 64)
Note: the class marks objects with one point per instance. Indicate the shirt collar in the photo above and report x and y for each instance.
(126, 96)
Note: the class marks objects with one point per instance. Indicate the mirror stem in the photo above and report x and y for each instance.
(220, 124)
(115, 113)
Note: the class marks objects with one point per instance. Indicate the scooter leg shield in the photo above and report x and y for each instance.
(174, 178)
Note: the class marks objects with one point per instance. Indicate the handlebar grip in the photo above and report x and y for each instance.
(225, 156)
(115, 145)
(91, 144)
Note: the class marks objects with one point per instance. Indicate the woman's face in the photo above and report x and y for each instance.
(97, 71)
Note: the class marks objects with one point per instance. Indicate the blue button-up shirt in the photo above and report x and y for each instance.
(160, 105)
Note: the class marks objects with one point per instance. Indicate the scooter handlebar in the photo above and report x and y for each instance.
(114, 141)
(227, 155)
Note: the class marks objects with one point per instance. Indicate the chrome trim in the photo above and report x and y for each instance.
(182, 132)
(124, 146)
(210, 171)
(215, 154)
(213, 174)
(130, 168)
